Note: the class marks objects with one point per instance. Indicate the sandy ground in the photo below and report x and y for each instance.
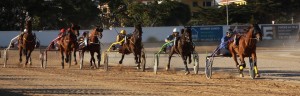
(280, 75)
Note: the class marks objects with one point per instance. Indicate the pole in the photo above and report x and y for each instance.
(227, 11)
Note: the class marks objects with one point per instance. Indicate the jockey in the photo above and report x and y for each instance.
(83, 39)
(119, 40)
(171, 38)
(223, 49)
(62, 32)
(121, 36)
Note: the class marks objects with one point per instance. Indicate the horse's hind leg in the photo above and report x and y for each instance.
(255, 64)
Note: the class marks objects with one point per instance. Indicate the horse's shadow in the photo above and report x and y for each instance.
(281, 73)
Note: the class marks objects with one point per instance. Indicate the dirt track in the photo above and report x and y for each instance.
(279, 70)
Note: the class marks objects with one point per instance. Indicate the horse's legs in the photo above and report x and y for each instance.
(99, 58)
(254, 58)
(121, 61)
(190, 58)
(92, 60)
(184, 58)
(234, 57)
(74, 54)
(170, 56)
(20, 54)
(62, 58)
(242, 65)
(28, 54)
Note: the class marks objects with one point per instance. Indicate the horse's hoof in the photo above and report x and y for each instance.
(187, 73)
(241, 75)
(244, 65)
(190, 61)
(167, 68)
(257, 75)
(138, 67)
(120, 62)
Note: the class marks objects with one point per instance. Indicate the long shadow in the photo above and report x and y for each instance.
(281, 73)
(14, 92)
(9, 93)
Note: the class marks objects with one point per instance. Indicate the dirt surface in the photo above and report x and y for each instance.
(280, 75)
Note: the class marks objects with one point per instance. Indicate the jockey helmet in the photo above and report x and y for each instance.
(62, 30)
(123, 32)
(85, 33)
(175, 30)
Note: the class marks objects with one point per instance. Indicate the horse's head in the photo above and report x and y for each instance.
(257, 33)
(28, 25)
(187, 34)
(75, 29)
(99, 31)
(138, 30)
(96, 34)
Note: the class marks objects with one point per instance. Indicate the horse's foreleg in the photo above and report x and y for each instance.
(170, 57)
(234, 57)
(20, 55)
(92, 60)
(184, 58)
(28, 57)
(62, 59)
(137, 60)
(254, 58)
(121, 61)
(74, 54)
(99, 58)
(190, 58)
(242, 65)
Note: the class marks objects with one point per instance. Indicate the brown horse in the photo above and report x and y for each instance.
(27, 42)
(93, 46)
(184, 47)
(246, 48)
(67, 44)
(133, 44)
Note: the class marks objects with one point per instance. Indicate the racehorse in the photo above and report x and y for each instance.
(27, 42)
(246, 48)
(75, 30)
(184, 47)
(133, 44)
(93, 46)
(67, 44)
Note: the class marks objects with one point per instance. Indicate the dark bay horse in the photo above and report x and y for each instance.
(133, 44)
(94, 46)
(75, 30)
(184, 47)
(246, 48)
(67, 44)
(27, 42)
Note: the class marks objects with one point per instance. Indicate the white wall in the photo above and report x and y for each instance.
(109, 35)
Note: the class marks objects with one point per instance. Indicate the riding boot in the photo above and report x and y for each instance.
(164, 49)
(113, 47)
